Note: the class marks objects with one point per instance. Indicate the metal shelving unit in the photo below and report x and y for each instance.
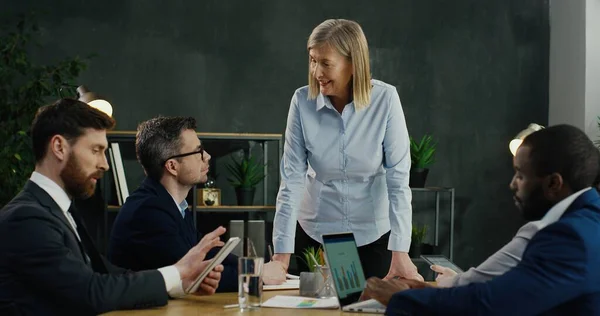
(437, 191)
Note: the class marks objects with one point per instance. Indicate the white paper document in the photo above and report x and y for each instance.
(287, 285)
(283, 301)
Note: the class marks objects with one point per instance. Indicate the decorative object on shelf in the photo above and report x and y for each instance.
(209, 196)
(210, 183)
(246, 173)
(416, 243)
(25, 86)
(422, 156)
(516, 142)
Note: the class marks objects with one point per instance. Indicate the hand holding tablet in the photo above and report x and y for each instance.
(219, 257)
(193, 264)
(441, 261)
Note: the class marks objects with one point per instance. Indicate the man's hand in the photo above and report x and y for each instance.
(381, 290)
(284, 258)
(445, 275)
(211, 282)
(273, 273)
(192, 264)
(401, 266)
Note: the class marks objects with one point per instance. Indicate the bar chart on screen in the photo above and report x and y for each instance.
(347, 277)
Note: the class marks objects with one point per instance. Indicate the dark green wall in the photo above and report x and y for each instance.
(471, 72)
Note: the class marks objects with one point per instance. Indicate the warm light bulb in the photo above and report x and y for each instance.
(102, 105)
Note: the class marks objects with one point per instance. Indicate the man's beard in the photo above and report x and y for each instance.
(77, 184)
(535, 206)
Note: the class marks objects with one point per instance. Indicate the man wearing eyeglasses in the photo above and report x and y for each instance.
(154, 227)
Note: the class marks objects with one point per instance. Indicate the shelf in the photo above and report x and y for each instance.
(130, 135)
(432, 189)
(220, 209)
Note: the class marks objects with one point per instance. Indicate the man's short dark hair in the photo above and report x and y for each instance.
(566, 150)
(68, 118)
(158, 139)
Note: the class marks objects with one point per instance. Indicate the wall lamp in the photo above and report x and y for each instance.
(94, 100)
(516, 142)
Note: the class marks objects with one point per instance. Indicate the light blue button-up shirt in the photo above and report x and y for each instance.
(345, 172)
(181, 206)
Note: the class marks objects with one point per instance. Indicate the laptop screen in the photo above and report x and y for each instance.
(344, 263)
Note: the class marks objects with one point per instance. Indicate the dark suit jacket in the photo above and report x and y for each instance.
(43, 271)
(149, 232)
(558, 275)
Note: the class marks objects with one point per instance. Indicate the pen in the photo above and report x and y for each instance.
(231, 306)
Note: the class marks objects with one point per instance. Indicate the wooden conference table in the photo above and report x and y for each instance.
(213, 305)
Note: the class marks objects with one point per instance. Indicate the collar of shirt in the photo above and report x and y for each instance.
(53, 189)
(323, 101)
(560, 208)
(181, 206)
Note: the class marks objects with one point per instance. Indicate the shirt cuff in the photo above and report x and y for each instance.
(283, 245)
(172, 281)
(397, 243)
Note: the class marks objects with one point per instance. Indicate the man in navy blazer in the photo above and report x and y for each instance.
(154, 227)
(559, 273)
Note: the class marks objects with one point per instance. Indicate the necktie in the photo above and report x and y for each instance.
(89, 247)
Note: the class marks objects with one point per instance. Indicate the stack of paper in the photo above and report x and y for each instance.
(287, 285)
(283, 301)
(292, 282)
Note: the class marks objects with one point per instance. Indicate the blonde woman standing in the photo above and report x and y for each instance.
(346, 158)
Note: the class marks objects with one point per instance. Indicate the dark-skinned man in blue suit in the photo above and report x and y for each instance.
(154, 227)
(558, 275)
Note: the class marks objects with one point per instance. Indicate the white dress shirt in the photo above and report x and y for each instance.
(170, 274)
(510, 255)
(345, 172)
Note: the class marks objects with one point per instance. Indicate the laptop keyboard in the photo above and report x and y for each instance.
(371, 304)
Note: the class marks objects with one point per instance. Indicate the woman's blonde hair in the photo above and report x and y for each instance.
(349, 40)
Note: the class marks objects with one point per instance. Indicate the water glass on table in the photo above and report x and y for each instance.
(250, 284)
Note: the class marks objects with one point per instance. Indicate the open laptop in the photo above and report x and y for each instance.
(342, 258)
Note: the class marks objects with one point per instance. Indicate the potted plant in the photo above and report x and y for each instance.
(313, 258)
(317, 281)
(422, 156)
(416, 243)
(246, 173)
(25, 85)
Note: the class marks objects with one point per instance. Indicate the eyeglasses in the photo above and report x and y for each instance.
(199, 151)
